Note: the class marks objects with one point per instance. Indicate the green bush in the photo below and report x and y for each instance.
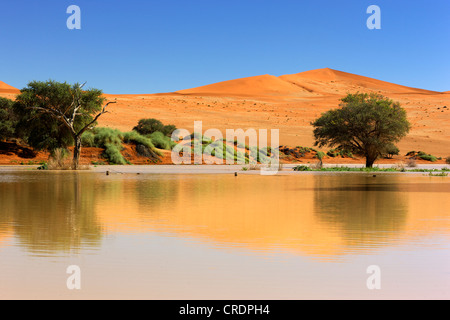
(333, 153)
(136, 138)
(107, 136)
(149, 126)
(428, 157)
(88, 139)
(168, 130)
(112, 141)
(112, 153)
(422, 155)
(390, 150)
(319, 155)
(8, 121)
(302, 168)
(161, 141)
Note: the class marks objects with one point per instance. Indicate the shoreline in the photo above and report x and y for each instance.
(287, 169)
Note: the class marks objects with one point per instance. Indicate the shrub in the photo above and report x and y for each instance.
(391, 150)
(108, 139)
(302, 168)
(8, 121)
(304, 149)
(333, 153)
(111, 140)
(339, 152)
(168, 130)
(144, 145)
(161, 141)
(411, 163)
(427, 157)
(422, 155)
(59, 160)
(136, 138)
(320, 155)
(88, 139)
(400, 166)
(43, 166)
(148, 126)
(447, 160)
(112, 153)
(107, 136)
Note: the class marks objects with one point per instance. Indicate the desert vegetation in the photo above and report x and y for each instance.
(53, 117)
(395, 168)
(422, 155)
(365, 124)
(112, 140)
(149, 126)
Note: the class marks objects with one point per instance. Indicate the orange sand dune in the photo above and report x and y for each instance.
(6, 88)
(265, 85)
(326, 81)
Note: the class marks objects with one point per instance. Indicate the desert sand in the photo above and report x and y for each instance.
(288, 103)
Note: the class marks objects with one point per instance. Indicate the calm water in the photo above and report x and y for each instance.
(304, 236)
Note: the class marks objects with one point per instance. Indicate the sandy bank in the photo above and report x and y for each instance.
(207, 169)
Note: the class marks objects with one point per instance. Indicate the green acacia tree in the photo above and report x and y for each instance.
(149, 126)
(55, 115)
(364, 124)
(8, 119)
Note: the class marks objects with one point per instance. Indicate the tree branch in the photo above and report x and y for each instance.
(95, 118)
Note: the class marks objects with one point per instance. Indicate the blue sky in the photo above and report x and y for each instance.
(146, 46)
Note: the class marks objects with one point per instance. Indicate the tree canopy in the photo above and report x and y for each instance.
(55, 115)
(365, 124)
(8, 120)
(149, 126)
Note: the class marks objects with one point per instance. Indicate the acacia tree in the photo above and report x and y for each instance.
(364, 124)
(61, 112)
(8, 119)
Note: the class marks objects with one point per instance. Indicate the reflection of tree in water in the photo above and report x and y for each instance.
(51, 211)
(154, 194)
(365, 210)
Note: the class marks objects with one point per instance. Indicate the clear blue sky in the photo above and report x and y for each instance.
(147, 46)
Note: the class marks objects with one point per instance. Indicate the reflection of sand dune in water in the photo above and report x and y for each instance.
(282, 214)
(225, 214)
(5, 237)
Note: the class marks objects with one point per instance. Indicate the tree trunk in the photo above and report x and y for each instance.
(76, 153)
(370, 159)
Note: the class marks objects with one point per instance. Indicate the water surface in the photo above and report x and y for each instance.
(154, 236)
